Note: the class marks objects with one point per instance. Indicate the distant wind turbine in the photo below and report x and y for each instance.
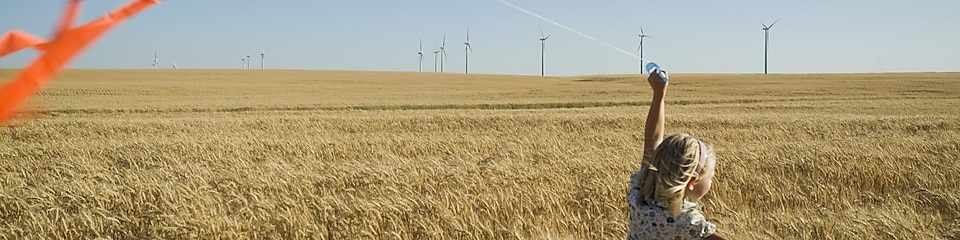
(640, 49)
(466, 55)
(174, 64)
(543, 45)
(262, 53)
(766, 40)
(443, 52)
(243, 63)
(248, 62)
(156, 63)
(420, 53)
(435, 58)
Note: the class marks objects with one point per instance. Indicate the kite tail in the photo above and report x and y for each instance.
(57, 53)
(15, 41)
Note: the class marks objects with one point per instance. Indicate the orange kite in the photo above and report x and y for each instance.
(67, 42)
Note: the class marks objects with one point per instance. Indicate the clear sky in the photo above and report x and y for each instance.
(815, 36)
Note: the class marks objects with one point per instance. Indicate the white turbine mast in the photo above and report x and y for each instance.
(420, 53)
(640, 48)
(443, 52)
(262, 54)
(435, 58)
(543, 45)
(466, 68)
(766, 40)
(156, 63)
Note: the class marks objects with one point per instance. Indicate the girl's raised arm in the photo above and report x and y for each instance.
(653, 132)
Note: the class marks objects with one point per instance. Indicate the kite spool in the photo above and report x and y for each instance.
(652, 66)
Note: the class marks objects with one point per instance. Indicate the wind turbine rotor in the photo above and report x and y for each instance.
(468, 47)
(765, 27)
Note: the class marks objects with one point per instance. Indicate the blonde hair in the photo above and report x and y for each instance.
(673, 163)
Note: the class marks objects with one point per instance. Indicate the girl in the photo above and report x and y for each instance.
(675, 173)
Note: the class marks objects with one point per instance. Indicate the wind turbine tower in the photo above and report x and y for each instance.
(174, 64)
(248, 62)
(543, 45)
(243, 63)
(466, 54)
(640, 49)
(420, 53)
(156, 63)
(766, 41)
(435, 59)
(262, 53)
(443, 52)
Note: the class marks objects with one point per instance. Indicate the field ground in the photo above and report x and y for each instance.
(389, 155)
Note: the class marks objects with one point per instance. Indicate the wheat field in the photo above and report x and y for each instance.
(185, 154)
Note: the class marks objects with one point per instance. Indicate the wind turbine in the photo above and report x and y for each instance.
(243, 63)
(466, 55)
(248, 62)
(543, 45)
(174, 64)
(262, 53)
(766, 40)
(156, 63)
(435, 59)
(640, 49)
(420, 53)
(443, 52)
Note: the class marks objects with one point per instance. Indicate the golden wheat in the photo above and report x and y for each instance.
(387, 155)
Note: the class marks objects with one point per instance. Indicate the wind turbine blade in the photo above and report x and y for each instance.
(470, 47)
(548, 36)
(641, 31)
(764, 25)
(774, 22)
(444, 43)
(541, 32)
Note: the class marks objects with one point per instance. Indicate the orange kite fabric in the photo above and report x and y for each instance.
(67, 42)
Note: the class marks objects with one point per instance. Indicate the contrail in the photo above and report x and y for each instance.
(570, 29)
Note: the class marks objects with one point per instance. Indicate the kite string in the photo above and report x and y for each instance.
(570, 29)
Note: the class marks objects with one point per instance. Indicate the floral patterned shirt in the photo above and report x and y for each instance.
(649, 219)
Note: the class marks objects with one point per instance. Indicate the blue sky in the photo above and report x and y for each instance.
(814, 36)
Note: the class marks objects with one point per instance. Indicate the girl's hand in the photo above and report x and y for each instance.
(656, 83)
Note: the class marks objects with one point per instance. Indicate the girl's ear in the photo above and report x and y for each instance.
(693, 181)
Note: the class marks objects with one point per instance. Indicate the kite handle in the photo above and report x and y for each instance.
(652, 66)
